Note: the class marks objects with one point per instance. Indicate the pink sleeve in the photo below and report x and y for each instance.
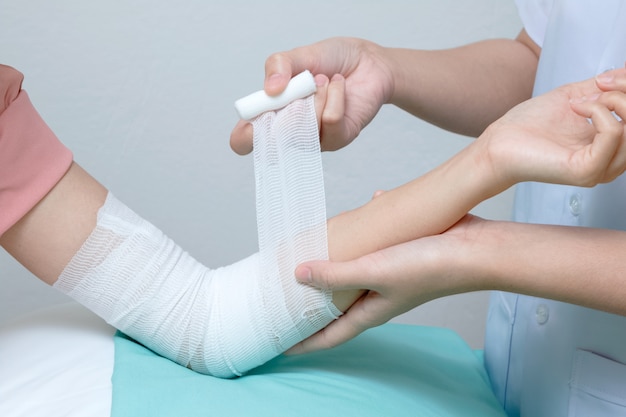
(32, 159)
(10, 85)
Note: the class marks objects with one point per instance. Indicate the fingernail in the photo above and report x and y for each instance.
(274, 80)
(303, 274)
(605, 78)
(320, 80)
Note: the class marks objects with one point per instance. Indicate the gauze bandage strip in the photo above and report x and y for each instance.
(226, 321)
(291, 215)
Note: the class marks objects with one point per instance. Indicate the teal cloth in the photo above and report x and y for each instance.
(393, 370)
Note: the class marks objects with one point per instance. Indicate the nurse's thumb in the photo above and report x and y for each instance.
(330, 275)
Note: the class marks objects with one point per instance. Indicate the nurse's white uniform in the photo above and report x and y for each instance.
(548, 358)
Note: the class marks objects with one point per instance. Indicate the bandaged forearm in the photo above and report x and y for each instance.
(225, 321)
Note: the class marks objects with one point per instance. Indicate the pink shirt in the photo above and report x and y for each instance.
(32, 159)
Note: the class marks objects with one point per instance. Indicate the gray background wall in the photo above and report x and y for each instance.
(143, 91)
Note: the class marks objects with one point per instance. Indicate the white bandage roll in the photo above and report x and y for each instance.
(300, 86)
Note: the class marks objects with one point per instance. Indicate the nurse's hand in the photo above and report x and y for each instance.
(360, 83)
(243, 129)
(398, 278)
(566, 136)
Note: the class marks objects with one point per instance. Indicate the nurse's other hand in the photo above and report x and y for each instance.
(550, 138)
(398, 279)
(360, 83)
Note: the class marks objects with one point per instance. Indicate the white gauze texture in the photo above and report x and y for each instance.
(225, 321)
(291, 217)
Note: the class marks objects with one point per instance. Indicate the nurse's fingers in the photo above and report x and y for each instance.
(361, 316)
(321, 97)
(280, 67)
(337, 276)
(241, 138)
(333, 126)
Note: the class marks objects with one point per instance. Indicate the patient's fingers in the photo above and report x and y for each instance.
(612, 80)
(616, 102)
(605, 158)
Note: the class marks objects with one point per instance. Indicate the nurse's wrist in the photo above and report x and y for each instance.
(497, 255)
(464, 261)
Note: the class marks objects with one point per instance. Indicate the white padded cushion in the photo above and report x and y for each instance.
(57, 361)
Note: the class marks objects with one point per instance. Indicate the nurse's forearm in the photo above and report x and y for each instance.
(464, 89)
(583, 266)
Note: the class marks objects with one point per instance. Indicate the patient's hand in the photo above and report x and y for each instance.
(566, 136)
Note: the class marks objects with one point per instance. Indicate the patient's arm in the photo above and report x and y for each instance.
(79, 239)
(48, 236)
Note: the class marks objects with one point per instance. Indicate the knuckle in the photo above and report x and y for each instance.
(594, 178)
(616, 129)
(329, 278)
(586, 178)
(278, 61)
(331, 116)
(274, 59)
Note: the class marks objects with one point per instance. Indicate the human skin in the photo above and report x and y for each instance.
(577, 265)
(559, 146)
(45, 246)
(461, 89)
(359, 76)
